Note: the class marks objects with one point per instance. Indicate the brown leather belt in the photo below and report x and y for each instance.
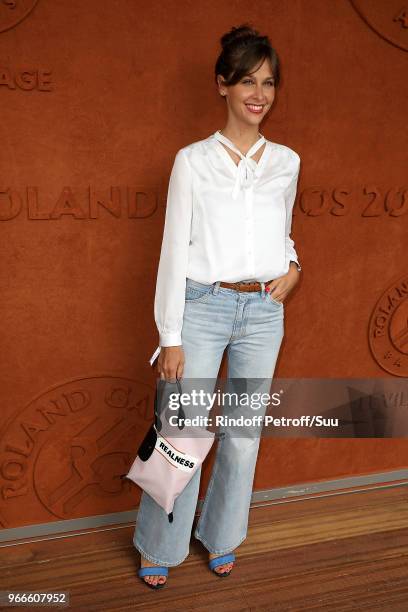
(240, 286)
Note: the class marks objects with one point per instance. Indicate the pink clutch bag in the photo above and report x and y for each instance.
(165, 463)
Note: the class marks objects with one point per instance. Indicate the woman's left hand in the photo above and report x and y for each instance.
(280, 287)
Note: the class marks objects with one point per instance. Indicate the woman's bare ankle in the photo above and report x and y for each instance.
(146, 563)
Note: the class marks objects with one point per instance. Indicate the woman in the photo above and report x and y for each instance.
(227, 264)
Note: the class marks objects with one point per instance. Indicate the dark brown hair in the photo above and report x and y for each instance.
(243, 52)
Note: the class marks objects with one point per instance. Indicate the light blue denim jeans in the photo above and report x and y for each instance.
(250, 325)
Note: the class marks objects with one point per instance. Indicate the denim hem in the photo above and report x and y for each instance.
(155, 560)
(218, 552)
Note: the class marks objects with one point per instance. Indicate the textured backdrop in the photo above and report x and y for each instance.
(96, 98)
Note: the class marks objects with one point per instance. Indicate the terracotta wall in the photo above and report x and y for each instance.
(96, 98)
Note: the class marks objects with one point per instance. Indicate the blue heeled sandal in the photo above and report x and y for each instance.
(221, 561)
(153, 571)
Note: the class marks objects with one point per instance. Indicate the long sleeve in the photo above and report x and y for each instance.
(171, 276)
(290, 196)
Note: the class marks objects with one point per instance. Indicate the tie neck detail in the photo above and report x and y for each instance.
(247, 167)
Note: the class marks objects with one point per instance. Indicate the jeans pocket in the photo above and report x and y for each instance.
(272, 300)
(197, 294)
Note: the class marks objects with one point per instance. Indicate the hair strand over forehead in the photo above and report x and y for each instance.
(243, 52)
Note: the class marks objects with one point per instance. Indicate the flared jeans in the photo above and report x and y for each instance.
(250, 325)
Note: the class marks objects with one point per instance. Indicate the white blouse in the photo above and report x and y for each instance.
(224, 222)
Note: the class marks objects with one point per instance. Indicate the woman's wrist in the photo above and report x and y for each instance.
(294, 266)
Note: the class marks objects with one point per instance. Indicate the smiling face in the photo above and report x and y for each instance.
(250, 99)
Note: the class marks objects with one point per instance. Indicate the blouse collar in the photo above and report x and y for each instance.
(247, 167)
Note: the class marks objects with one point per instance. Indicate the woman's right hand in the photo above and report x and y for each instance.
(170, 364)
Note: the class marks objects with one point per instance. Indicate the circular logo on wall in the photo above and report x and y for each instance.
(63, 454)
(12, 12)
(388, 329)
(387, 19)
